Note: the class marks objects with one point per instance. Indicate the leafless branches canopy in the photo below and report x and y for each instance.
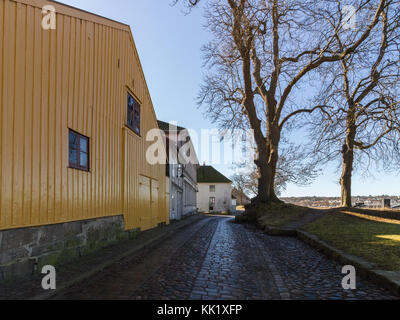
(265, 53)
(363, 90)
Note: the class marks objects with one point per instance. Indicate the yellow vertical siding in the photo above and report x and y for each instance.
(53, 80)
(166, 203)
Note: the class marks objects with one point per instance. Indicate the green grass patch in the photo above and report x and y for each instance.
(272, 215)
(374, 241)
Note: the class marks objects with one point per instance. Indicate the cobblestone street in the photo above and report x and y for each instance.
(218, 259)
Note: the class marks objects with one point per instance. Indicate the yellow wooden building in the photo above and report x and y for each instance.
(75, 110)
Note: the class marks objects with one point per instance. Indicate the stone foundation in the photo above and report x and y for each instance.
(25, 251)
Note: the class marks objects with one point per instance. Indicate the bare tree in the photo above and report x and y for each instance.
(259, 60)
(362, 90)
(292, 167)
(243, 183)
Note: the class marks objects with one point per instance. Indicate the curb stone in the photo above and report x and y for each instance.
(98, 268)
(388, 279)
(283, 232)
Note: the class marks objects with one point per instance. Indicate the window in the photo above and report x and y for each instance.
(180, 170)
(187, 142)
(133, 119)
(212, 188)
(78, 151)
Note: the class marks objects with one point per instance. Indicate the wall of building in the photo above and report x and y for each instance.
(183, 193)
(190, 182)
(189, 176)
(222, 194)
(183, 176)
(75, 77)
(176, 195)
(190, 195)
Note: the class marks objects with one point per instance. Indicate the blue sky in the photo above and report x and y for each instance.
(169, 43)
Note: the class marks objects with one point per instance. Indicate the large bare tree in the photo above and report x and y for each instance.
(259, 62)
(291, 168)
(362, 122)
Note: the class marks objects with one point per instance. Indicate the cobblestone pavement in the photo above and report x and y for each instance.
(218, 259)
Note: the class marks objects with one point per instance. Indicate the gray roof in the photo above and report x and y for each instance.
(209, 174)
(165, 126)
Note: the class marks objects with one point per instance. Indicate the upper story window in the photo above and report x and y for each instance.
(188, 151)
(133, 118)
(180, 171)
(78, 151)
(212, 188)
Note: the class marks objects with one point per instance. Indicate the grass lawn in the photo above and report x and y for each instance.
(371, 237)
(273, 215)
(281, 215)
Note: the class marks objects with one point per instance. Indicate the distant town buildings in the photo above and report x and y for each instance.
(372, 202)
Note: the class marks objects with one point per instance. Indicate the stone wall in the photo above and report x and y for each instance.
(25, 251)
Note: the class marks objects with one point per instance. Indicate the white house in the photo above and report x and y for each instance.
(182, 172)
(215, 190)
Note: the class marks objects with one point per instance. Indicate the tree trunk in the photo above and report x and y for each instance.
(267, 147)
(266, 185)
(345, 180)
(348, 157)
(267, 163)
